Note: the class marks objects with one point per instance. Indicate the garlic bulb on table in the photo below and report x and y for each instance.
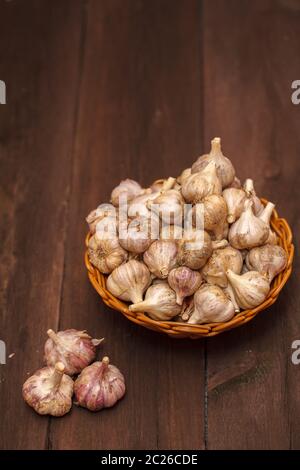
(106, 254)
(250, 289)
(99, 386)
(184, 281)
(235, 200)
(49, 391)
(269, 260)
(248, 231)
(211, 305)
(214, 271)
(160, 303)
(225, 169)
(129, 281)
(199, 185)
(128, 189)
(161, 257)
(74, 349)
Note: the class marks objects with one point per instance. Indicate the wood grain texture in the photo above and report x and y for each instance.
(138, 117)
(253, 388)
(36, 132)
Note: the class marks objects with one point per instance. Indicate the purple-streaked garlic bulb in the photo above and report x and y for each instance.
(129, 281)
(184, 281)
(269, 260)
(99, 386)
(49, 391)
(73, 348)
(128, 189)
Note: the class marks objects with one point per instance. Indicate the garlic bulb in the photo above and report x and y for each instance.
(74, 349)
(99, 386)
(211, 305)
(49, 391)
(138, 207)
(161, 257)
(129, 281)
(225, 169)
(160, 303)
(194, 248)
(248, 231)
(214, 271)
(250, 289)
(268, 260)
(106, 254)
(214, 214)
(137, 235)
(199, 185)
(235, 200)
(104, 217)
(128, 189)
(168, 205)
(184, 282)
(184, 175)
(251, 194)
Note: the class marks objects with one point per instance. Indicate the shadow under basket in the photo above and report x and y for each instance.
(183, 330)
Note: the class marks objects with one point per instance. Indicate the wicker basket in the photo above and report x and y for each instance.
(183, 330)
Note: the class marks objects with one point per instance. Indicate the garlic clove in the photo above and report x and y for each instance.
(106, 254)
(250, 289)
(73, 348)
(129, 281)
(194, 249)
(214, 271)
(184, 281)
(99, 386)
(49, 391)
(201, 184)
(160, 303)
(248, 231)
(268, 260)
(211, 305)
(235, 200)
(225, 169)
(128, 189)
(161, 257)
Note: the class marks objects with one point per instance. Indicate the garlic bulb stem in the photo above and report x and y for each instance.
(168, 184)
(58, 374)
(266, 214)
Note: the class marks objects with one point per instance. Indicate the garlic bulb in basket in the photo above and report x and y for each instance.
(106, 254)
(127, 189)
(199, 185)
(248, 231)
(161, 257)
(214, 213)
(269, 260)
(104, 219)
(160, 303)
(129, 281)
(235, 200)
(184, 281)
(224, 166)
(136, 236)
(168, 205)
(250, 289)
(211, 305)
(214, 271)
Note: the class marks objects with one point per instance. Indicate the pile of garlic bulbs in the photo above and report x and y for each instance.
(206, 270)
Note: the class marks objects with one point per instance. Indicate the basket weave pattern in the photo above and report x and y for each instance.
(183, 330)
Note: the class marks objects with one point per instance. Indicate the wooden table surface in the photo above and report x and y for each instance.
(101, 90)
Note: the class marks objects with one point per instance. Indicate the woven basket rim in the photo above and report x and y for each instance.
(184, 330)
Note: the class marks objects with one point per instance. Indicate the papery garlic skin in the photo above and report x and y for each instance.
(268, 260)
(211, 305)
(184, 281)
(99, 386)
(160, 303)
(49, 391)
(199, 185)
(161, 257)
(194, 249)
(250, 289)
(106, 254)
(184, 175)
(137, 235)
(248, 231)
(128, 189)
(73, 348)
(214, 271)
(235, 200)
(225, 169)
(129, 281)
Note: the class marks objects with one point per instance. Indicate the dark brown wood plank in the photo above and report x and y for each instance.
(250, 61)
(39, 44)
(139, 117)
